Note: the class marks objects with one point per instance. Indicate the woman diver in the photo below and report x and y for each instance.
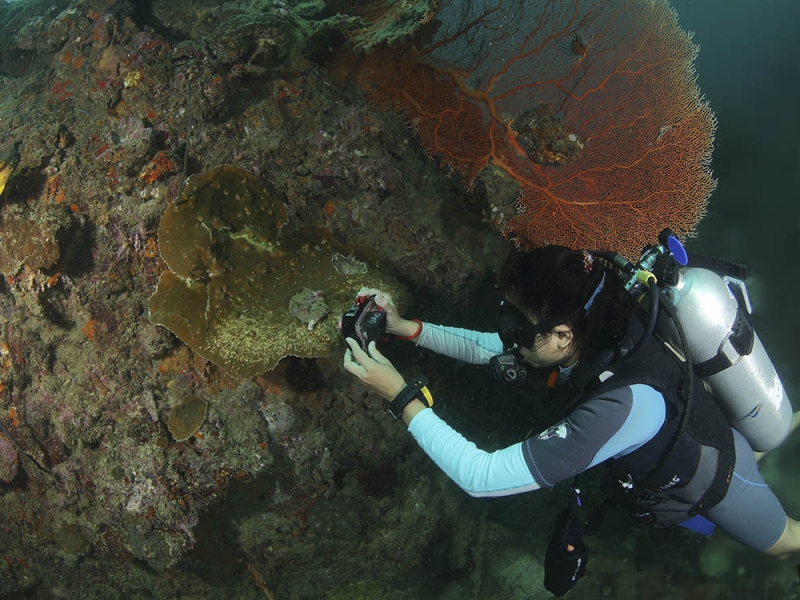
(564, 310)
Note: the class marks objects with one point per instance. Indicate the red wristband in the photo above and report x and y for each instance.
(415, 335)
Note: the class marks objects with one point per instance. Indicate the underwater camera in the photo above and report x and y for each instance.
(365, 322)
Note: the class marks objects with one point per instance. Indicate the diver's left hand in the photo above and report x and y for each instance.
(374, 369)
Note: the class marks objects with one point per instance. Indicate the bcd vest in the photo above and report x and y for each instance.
(690, 465)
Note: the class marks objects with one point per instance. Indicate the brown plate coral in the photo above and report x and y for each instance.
(231, 290)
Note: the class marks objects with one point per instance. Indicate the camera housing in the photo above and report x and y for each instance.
(365, 322)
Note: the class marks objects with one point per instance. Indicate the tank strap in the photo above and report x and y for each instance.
(726, 461)
(741, 338)
(719, 266)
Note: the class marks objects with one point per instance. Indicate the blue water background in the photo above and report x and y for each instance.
(748, 70)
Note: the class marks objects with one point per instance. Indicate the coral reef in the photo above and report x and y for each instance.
(104, 109)
(107, 487)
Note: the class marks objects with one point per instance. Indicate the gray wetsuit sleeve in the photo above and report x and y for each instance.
(612, 425)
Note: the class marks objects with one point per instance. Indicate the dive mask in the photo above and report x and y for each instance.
(515, 329)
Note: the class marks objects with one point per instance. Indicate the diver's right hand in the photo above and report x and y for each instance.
(395, 324)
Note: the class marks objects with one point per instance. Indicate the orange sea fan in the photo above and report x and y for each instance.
(609, 144)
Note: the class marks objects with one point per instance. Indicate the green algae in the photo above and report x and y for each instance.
(232, 276)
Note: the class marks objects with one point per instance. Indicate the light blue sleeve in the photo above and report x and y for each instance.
(556, 454)
(648, 413)
(474, 347)
(479, 473)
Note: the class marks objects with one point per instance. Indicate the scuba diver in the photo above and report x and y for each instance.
(631, 386)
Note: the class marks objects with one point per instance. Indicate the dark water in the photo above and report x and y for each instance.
(748, 70)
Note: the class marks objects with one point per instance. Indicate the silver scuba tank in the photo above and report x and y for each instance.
(714, 312)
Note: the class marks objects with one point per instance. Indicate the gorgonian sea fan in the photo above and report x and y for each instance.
(590, 105)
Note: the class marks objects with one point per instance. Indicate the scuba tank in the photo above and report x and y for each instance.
(730, 357)
(715, 314)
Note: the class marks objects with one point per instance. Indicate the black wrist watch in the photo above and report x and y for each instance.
(416, 390)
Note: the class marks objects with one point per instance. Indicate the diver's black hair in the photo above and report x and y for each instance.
(552, 284)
